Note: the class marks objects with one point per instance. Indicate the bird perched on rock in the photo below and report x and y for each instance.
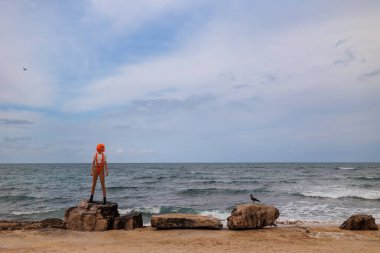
(254, 199)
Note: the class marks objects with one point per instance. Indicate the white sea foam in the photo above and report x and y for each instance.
(347, 168)
(371, 177)
(31, 212)
(337, 192)
(319, 213)
(24, 212)
(148, 209)
(293, 221)
(215, 213)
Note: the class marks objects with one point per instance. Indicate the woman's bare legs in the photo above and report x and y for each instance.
(94, 179)
(103, 183)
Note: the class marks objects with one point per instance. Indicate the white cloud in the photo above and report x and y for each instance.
(226, 53)
(294, 96)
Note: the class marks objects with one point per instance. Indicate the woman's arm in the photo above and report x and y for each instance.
(106, 166)
(93, 167)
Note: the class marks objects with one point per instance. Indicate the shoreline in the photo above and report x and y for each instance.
(286, 238)
(282, 223)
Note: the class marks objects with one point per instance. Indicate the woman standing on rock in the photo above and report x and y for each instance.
(99, 163)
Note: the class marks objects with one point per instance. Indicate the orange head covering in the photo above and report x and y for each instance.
(100, 148)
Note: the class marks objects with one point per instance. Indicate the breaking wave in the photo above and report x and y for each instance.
(32, 212)
(346, 168)
(338, 193)
(210, 191)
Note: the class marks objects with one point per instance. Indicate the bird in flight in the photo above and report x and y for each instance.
(254, 199)
(24, 68)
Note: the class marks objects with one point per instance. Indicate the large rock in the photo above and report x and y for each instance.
(360, 222)
(178, 220)
(128, 221)
(91, 216)
(252, 216)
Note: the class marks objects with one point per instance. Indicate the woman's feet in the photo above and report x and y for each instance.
(91, 200)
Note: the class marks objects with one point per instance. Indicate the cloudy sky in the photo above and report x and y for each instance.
(190, 81)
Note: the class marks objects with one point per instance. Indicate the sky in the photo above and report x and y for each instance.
(190, 81)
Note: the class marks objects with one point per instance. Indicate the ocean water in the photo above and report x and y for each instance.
(307, 192)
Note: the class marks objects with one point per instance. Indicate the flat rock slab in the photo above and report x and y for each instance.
(185, 221)
(252, 216)
(31, 225)
(360, 222)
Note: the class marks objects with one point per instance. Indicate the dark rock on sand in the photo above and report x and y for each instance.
(128, 221)
(252, 216)
(29, 225)
(91, 216)
(179, 221)
(360, 222)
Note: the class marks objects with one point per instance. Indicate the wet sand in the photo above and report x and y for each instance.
(282, 239)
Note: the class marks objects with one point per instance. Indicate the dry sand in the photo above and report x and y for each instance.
(282, 239)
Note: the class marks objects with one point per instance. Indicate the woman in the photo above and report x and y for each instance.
(99, 163)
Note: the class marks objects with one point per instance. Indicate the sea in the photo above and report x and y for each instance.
(303, 192)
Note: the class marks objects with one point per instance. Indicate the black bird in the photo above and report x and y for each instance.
(254, 199)
(24, 68)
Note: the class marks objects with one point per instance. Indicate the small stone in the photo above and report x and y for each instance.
(360, 222)
(128, 221)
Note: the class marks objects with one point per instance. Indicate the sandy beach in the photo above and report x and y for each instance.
(147, 239)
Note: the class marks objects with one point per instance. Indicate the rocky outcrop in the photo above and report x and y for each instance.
(30, 225)
(186, 221)
(128, 221)
(91, 216)
(98, 217)
(252, 216)
(360, 222)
